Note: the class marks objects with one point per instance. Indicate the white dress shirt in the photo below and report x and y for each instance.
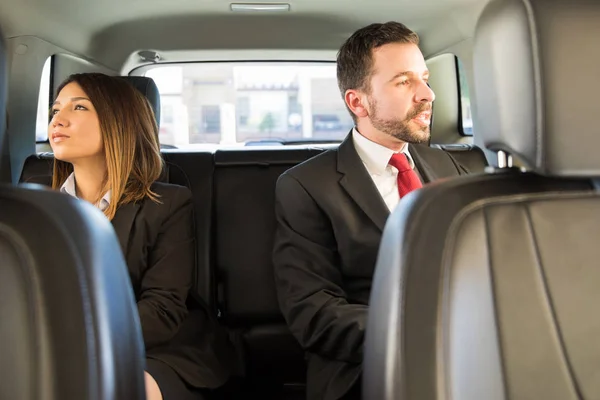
(376, 159)
(69, 188)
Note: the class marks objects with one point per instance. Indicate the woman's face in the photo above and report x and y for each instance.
(74, 131)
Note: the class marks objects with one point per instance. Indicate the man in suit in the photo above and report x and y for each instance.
(331, 209)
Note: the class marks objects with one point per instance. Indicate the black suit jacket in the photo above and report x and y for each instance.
(158, 242)
(330, 218)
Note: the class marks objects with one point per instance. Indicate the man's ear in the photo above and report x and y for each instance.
(357, 102)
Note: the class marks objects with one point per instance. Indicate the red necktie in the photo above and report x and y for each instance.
(408, 180)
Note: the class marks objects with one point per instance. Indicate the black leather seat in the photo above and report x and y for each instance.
(148, 88)
(37, 168)
(486, 286)
(69, 321)
(468, 155)
(244, 226)
(195, 171)
(69, 326)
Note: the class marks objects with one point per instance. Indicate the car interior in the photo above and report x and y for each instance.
(485, 284)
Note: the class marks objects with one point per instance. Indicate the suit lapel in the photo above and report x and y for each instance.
(123, 222)
(359, 185)
(425, 170)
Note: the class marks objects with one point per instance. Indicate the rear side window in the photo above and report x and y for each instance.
(465, 100)
(248, 103)
(43, 110)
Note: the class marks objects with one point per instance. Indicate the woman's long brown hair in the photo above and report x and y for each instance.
(129, 136)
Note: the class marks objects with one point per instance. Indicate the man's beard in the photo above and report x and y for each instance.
(401, 128)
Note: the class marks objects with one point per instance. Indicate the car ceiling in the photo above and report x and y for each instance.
(110, 30)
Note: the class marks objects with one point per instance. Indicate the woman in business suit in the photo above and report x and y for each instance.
(105, 142)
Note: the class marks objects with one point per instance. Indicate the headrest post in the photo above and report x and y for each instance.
(504, 160)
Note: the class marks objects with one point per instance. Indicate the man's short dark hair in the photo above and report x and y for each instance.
(355, 58)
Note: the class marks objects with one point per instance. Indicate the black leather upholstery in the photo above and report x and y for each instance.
(195, 171)
(486, 285)
(148, 88)
(433, 325)
(244, 226)
(37, 168)
(469, 156)
(525, 105)
(69, 322)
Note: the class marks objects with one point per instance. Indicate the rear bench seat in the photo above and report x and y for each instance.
(470, 156)
(195, 171)
(244, 226)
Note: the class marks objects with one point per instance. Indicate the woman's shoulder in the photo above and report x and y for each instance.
(170, 195)
(170, 190)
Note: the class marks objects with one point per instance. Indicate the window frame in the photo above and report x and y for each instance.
(459, 81)
(50, 61)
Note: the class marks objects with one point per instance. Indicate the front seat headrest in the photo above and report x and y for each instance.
(536, 80)
(148, 88)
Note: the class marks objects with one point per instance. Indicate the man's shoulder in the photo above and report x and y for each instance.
(315, 176)
(438, 159)
(432, 155)
(425, 150)
(322, 165)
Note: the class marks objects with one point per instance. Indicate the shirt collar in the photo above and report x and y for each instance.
(375, 156)
(69, 188)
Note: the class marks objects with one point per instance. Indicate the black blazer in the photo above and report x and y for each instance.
(330, 218)
(158, 242)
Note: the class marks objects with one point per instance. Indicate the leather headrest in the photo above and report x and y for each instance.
(537, 79)
(148, 88)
